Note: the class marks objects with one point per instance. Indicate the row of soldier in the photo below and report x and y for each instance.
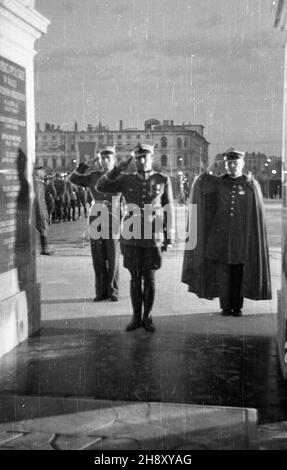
(64, 199)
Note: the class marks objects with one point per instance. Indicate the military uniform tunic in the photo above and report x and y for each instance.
(226, 242)
(148, 197)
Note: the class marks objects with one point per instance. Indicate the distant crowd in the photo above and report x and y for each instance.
(65, 201)
(271, 188)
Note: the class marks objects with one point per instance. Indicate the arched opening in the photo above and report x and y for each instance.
(163, 142)
(163, 160)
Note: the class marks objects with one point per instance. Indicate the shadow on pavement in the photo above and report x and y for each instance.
(80, 358)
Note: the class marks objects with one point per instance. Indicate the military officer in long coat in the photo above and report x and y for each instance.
(230, 260)
(104, 247)
(147, 228)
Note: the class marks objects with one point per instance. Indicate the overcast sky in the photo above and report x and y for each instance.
(217, 63)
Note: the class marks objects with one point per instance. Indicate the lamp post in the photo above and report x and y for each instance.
(267, 181)
(274, 184)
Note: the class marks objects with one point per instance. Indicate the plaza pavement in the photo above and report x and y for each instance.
(84, 383)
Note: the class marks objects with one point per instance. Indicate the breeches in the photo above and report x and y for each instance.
(139, 260)
(142, 264)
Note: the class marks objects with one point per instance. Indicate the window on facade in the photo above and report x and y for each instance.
(163, 142)
(147, 136)
(54, 163)
(63, 160)
(73, 147)
(179, 143)
(138, 136)
(119, 136)
(179, 161)
(163, 160)
(45, 162)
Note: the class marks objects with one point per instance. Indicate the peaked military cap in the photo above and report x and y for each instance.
(232, 154)
(107, 149)
(38, 166)
(142, 149)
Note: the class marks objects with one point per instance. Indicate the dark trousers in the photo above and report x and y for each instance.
(43, 242)
(73, 210)
(59, 208)
(82, 202)
(67, 211)
(231, 279)
(105, 255)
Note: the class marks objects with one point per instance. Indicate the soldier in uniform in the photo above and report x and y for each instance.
(42, 217)
(230, 260)
(146, 193)
(50, 194)
(70, 200)
(60, 197)
(82, 200)
(105, 250)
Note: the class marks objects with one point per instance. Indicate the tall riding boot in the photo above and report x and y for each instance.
(136, 298)
(44, 245)
(148, 299)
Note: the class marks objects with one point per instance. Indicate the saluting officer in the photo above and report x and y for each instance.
(147, 228)
(230, 260)
(104, 249)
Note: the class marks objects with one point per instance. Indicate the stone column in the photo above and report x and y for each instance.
(280, 21)
(20, 311)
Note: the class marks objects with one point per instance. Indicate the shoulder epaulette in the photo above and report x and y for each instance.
(162, 175)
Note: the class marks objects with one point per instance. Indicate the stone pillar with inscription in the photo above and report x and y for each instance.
(20, 312)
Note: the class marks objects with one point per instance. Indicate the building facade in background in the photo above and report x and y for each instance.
(179, 149)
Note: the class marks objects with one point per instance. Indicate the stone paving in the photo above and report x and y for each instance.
(199, 382)
(70, 424)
